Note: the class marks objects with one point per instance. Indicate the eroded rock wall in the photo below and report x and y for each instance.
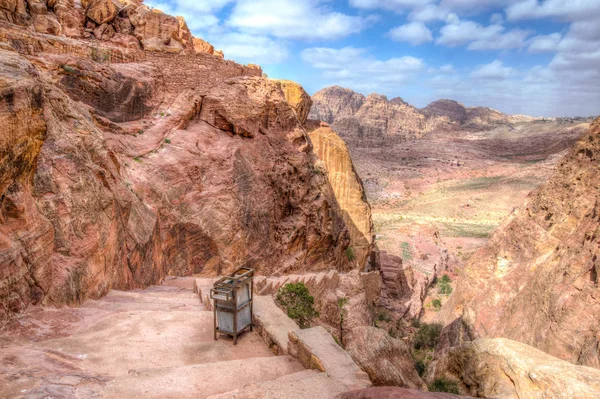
(536, 281)
(121, 166)
(348, 188)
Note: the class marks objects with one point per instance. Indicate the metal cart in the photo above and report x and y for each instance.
(232, 306)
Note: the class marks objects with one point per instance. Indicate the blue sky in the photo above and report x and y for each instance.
(536, 57)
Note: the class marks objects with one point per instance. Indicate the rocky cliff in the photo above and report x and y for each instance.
(368, 119)
(375, 120)
(348, 188)
(124, 164)
(536, 281)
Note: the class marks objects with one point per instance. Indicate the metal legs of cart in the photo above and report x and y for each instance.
(233, 299)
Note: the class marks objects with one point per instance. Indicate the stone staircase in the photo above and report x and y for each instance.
(153, 343)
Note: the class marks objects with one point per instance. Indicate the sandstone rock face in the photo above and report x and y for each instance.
(101, 11)
(335, 102)
(387, 360)
(158, 31)
(453, 111)
(297, 98)
(348, 188)
(368, 119)
(394, 393)
(118, 174)
(375, 120)
(505, 369)
(536, 281)
(201, 46)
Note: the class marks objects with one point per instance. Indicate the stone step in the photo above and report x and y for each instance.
(200, 380)
(180, 282)
(316, 349)
(272, 324)
(145, 339)
(307, 384)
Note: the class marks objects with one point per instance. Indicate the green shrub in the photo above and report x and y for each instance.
(445, 289)
(428, 336)
(443, 284)
(384, 315)
(420, 366)
(443, 385)
(168, 141)
(69, 69)
(350, 254)
(437, 304)
(137, 159)
(296, 300)
(416, 323)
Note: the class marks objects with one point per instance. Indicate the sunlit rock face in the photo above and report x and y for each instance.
(536, 281)
(348, 188)
(505, 369)
(122, 165)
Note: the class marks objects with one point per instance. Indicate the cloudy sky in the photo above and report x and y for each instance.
(536, 57)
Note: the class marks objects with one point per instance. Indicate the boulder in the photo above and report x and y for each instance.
(158, 31)
(201, 46)
(102, 11)
(70, 18)
(219, 54)
(505, 369)
(387, 360)
(297, 98)
(48, 24)
(37, 7)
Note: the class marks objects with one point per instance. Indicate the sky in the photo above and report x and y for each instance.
(533, 57)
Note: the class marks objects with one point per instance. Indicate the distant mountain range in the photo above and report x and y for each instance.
(354, 115)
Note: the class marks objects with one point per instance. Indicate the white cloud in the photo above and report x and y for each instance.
(257, 49)
(493, 37)
(293, 19)
(571, 10)
(447, 68)
(415, 33)
(429, 13)
(355, 68)
(493, 71)
(398, 5)
(544, 43)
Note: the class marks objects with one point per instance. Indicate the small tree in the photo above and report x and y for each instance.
(296, 300)
(427, 336)
(437, 304)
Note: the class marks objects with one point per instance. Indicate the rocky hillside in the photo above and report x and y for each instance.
(536, 281)
(130, 152)
(375, 119)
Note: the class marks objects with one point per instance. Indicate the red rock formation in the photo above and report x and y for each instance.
(536, 281)
(122, 166)
(376, 120)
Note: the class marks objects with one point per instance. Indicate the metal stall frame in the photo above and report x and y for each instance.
(225, 289)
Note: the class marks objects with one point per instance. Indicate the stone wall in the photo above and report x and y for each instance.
(201, 71)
